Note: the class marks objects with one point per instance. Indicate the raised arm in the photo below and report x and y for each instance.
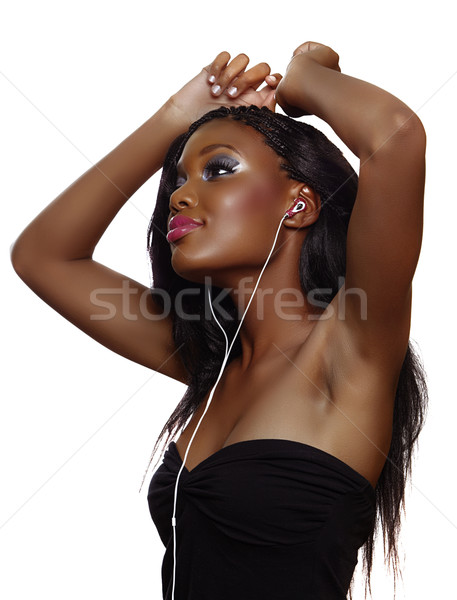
(385, 230)
(53, 255)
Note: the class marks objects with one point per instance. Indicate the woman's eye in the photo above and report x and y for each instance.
(219, 167)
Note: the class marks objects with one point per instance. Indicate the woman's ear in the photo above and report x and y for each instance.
(307, 215)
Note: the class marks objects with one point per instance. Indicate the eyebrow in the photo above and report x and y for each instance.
(207, 149)
(210, 148)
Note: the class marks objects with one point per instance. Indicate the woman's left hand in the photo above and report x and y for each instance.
(288, 92)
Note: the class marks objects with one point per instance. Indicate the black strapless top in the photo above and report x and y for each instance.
(265, 519)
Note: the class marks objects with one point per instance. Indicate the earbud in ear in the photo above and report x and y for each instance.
(297, 206)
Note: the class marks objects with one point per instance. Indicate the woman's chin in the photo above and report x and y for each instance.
(188, 271)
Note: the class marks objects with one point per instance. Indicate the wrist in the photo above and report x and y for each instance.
(301, 90)
(176, 115)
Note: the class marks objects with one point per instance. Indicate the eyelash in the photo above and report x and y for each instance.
(218, 164)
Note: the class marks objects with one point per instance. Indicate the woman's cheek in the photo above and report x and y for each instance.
(253, 200)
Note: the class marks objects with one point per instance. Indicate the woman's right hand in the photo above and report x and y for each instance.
(200, 95)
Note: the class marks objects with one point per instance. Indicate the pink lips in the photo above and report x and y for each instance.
(180, 225)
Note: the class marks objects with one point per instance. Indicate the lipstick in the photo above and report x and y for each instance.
(179, 226)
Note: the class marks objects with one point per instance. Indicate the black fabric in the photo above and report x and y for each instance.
(266, 519)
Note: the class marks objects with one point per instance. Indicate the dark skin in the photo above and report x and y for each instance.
(328, 381)
(241, 211)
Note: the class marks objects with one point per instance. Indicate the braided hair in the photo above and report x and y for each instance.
(307, 156)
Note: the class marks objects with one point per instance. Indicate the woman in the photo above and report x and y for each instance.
(313, 402)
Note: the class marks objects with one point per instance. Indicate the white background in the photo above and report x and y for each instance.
(78, 422)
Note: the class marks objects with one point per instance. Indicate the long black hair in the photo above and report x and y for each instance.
(308, 156)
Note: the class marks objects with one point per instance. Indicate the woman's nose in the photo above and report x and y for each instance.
(182, 197)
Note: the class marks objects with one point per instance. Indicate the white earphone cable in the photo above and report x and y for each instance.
(227, 353)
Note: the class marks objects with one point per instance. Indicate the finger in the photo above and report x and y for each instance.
(229, 74)
(268, 92)
(249, 79)
(270, 100)
(215, 68)
(273, 80)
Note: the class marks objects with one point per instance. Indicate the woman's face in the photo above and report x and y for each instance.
(231, 182)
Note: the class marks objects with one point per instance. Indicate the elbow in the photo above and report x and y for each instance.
(17, 259)
(409, 128)
(21, 259)
(402, 131)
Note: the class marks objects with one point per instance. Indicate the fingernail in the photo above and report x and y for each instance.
(272, 77)
(232, 91)
(212, 79)
(216, 89)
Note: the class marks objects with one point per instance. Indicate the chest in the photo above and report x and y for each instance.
(283, 398)
(305, 396)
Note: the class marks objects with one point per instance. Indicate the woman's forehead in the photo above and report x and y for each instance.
(233, 135)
